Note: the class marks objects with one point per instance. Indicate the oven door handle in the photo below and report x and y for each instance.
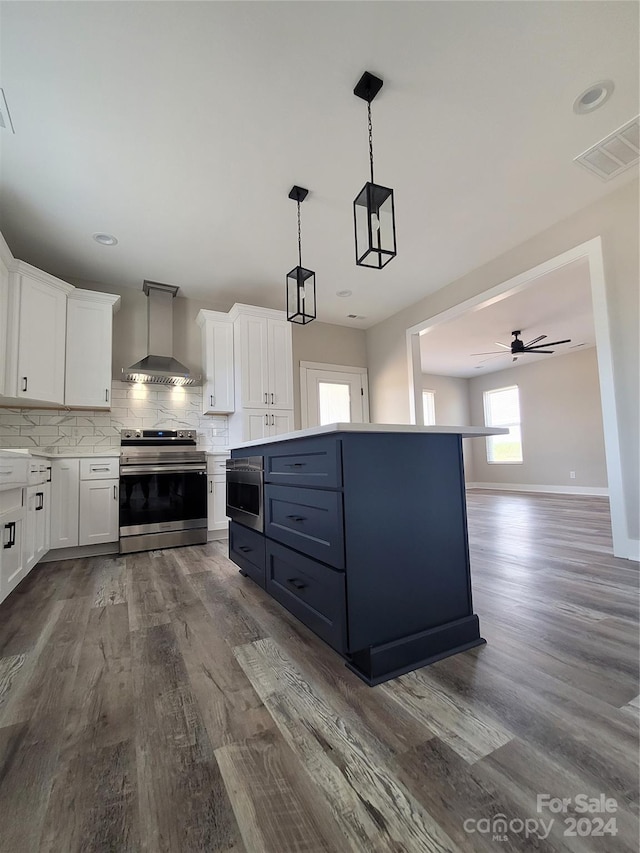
(136, 470)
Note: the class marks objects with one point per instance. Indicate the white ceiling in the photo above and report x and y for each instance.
(180, 128)
(557, 305)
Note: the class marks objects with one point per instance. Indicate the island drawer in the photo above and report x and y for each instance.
(309, 520)
(305, 463)
(246, 549)
(315, 594)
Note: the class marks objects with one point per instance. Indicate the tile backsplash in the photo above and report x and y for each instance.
(132, 406)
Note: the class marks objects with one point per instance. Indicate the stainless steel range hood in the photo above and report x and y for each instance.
(160, 367)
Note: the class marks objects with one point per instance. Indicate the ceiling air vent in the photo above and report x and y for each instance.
(615, 153)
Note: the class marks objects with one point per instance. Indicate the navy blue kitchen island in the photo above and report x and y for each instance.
(365, 541)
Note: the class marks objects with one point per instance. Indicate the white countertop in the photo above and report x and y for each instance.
(64, 453)
(464, 431)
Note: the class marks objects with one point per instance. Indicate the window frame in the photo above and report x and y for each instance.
(489, 439)
(432, 406)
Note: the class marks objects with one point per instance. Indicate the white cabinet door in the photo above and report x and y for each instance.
(12, 550)
(255, 424)
(280, 364)
(217, 349)
(41, 340)
(4, 319)
(88, 362)
(280, 422)
(43, 520)
(217, 503)
(98, 511)
(65, 502)
(254, 363)
(32, 500)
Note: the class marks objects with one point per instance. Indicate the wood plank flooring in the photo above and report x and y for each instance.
(162, 702)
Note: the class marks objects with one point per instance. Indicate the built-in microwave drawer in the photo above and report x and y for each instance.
(315, 594)
(309, 520)
(246, 549)
(100, 469)
(305, 463)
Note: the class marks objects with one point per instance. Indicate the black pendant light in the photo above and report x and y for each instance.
(373, 211)
(301, 282)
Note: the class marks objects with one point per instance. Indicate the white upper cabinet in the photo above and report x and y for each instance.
(36, 359)
(89, 337)
(218, 397)
(265, 369)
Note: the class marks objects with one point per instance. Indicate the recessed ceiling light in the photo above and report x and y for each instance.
(105, 239)
(356, 317)
(593, 97)
(343, 293)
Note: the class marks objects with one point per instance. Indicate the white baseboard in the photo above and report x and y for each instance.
(554, 490)
(633, 550)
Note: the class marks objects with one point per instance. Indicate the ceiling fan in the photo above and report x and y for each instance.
(518, 347)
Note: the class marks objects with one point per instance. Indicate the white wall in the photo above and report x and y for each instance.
(452, 409)
(615, 219)
(561, 419)
(326, 344)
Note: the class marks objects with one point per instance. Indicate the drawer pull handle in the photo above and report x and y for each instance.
(41, 503)
(6, 470)
(94, 468)
(11, 527)
(297, 517)
(296, 582)
(244, 548)
(294, 464)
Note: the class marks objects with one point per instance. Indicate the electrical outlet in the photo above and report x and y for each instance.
(572, 475)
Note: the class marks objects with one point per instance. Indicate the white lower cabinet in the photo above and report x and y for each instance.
(65, 503)
(217, 492)
(37, 524)
(85, 501)
(12, 540)
(260, 424)
(99, 506)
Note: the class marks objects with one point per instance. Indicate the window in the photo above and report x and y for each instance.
(334, 399)
(502, 409)
(429, 407)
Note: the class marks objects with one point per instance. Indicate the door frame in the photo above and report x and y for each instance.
(591, 250)
(333, 368)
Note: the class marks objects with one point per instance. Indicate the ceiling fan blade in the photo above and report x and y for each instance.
(493, 352)
(540, 351)
(535, 340)
(493, 358)
(505, 346)
(551, 344)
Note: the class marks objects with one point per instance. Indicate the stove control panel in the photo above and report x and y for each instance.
(158, 436)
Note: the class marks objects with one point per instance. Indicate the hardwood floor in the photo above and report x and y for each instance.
(162, 702)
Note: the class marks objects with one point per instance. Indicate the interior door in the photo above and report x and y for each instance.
(335, 396)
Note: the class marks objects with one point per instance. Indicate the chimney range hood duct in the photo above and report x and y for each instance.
(159, 367)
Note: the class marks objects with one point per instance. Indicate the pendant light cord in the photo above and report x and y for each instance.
(299, 238)
(370, 139)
